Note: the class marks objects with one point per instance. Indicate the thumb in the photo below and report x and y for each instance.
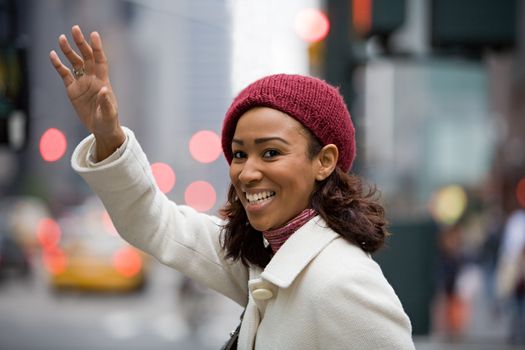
(106, 102)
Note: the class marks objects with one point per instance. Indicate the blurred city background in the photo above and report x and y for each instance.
(436, 89)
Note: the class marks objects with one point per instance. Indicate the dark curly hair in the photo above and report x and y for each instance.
(344, 202)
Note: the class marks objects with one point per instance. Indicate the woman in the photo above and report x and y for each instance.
(294, 239)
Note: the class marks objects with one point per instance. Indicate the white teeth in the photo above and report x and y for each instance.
(259, 197)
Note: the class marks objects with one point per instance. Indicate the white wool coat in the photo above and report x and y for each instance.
(318, 292)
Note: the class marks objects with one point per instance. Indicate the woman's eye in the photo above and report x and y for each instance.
(270, 153)
(238, 154)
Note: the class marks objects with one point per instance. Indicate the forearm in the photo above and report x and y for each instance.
(177, 235)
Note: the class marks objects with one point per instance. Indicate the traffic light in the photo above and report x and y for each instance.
(13, 98)
(14, 90)
(377, 17)
(473, 24)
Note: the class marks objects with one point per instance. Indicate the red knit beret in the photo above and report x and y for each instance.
(318, 106)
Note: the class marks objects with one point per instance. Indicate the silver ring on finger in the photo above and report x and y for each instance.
(78, 72)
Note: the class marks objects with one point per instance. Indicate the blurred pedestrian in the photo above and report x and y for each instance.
(452, 310)
(193, 302)
(294, 241)
(510, 278)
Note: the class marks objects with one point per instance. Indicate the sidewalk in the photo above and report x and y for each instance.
(432, 344)
(486, 329)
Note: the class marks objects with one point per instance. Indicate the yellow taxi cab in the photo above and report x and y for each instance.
(83, 251)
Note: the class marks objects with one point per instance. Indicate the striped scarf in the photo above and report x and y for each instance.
(277, 237)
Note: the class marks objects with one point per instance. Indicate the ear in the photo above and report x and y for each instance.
(326, 161)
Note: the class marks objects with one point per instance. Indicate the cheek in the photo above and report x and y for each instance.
(302, 187)
(296, 174)
(234, 177)
(233, 173)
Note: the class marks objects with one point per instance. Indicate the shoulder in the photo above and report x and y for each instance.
(353, 293)
(341, 258)
(346, 275)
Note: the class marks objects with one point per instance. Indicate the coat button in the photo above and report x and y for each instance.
(262, 294)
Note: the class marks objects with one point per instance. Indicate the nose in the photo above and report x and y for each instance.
(250, 172)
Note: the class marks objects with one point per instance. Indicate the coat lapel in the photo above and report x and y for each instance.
(297, 252)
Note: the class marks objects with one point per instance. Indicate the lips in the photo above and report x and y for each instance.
(259, 197)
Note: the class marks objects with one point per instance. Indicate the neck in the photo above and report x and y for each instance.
(278, 236)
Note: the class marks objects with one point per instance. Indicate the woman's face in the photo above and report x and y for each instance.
(270, 170)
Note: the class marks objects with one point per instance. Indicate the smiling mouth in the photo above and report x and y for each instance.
(258, 198)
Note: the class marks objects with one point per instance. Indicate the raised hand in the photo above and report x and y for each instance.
(89, 89)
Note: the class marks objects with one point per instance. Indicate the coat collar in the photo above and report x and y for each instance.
(297, 252)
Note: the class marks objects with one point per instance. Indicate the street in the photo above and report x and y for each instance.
(34, 317)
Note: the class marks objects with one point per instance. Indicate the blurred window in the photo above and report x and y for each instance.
(426, 125)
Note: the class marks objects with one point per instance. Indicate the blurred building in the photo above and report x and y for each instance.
(436, 93)
(170, 68)
(175, 67)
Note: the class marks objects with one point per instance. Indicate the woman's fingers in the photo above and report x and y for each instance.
(98, 52)
(75, 60)
(83, 46)
(63, 71)
(91, 60)
(101, 67)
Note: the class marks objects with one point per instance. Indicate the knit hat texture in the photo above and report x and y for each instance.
(318, 106)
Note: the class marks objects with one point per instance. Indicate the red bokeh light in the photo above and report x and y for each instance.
(52, 145)
(48, 232)
(205, 146)
(55, 261)
(200, 195)
(362, 16)
(520, 192)
(127, 261)
(311, 25)
(164, 176)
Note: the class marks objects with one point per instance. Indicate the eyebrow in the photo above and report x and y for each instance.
(262, 140)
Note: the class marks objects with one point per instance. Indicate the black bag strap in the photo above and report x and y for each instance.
(231, 344)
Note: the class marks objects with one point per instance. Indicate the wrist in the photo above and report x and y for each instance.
(107, 144)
